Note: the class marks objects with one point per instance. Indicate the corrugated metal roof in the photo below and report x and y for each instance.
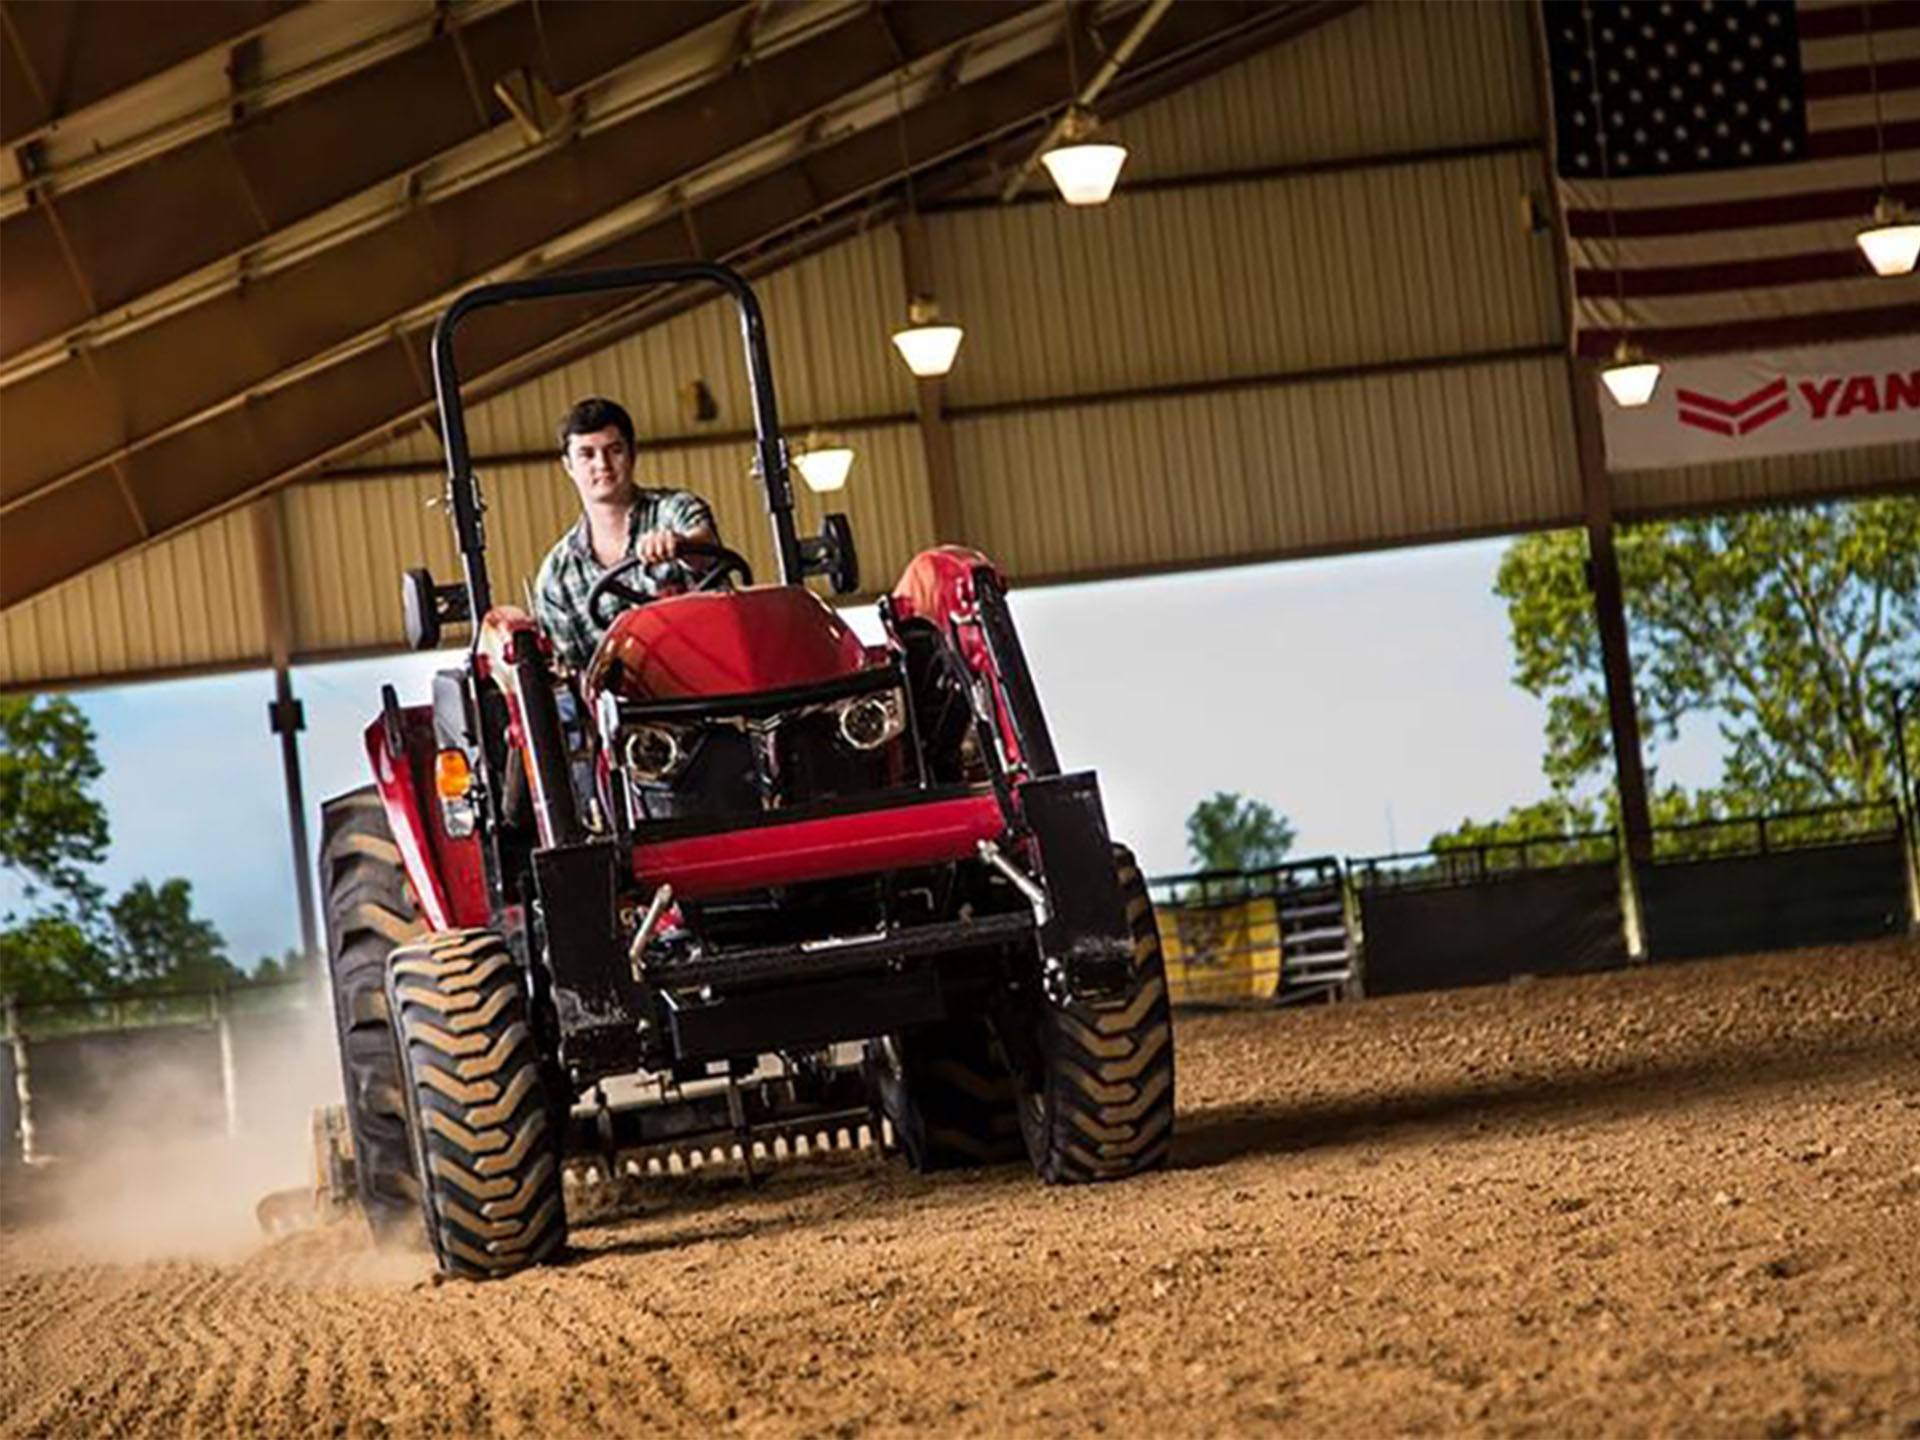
(189, 602)
(1271, 470)
(1385, 79)
(1265, 277)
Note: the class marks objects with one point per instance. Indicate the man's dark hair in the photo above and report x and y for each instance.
(592, 415)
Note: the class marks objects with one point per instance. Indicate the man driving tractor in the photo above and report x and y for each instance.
(619, 520)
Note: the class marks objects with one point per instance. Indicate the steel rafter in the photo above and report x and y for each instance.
(139, 389)
(59, 56)
(292, 430)
(285, 163)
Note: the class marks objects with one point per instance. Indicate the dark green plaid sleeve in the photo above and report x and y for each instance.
(682, 512)
(560, 605)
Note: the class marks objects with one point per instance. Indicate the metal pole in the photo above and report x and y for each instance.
(287, 718)
(1908, 803)
(22, 1079)
(229, 1089)
(285, 715)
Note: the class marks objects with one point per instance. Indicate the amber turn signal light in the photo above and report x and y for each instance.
(451, 774)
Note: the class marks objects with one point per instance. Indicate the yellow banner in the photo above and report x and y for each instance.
(1221, 954)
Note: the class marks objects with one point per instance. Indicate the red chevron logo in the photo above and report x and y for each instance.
(1734, 417)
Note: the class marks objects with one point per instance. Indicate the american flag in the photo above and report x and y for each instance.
(1715, 159)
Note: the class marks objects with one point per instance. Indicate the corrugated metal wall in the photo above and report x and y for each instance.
(828, 318)
(1313, 320)
(1269, 470)
(351, 539)
(190, 602)
(1310, 272)
(1391, 79)
(1775, 478)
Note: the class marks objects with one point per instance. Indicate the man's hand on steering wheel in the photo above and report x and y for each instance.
(615, 590)
(656, 547)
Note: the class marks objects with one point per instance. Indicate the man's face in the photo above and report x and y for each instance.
(600, 465)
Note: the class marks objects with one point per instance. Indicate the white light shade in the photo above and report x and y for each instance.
(1086, 174)
(826, 468)
(1892, 242)
(1630, 381)
(928, 349)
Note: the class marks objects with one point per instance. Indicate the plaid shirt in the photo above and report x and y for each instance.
(568, 573)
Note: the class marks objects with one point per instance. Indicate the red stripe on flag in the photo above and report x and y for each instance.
(1777, 271)
(1859, 79)
(1830, 22)
(1653, 221)
(1780, 333)
(1862, 140)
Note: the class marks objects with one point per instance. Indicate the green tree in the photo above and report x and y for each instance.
(288, 967)
(51, 826)
(1231, 832)
(52, 830)
(1794, 628)
(160, 944)
(51, 957)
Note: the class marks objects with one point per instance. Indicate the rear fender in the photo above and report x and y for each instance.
(447, 874)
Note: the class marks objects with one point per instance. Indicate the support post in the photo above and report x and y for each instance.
(1603, 565)
(930, 400)
(1610, 616)
(229, 1086)
(285, 715)
(22, 1080)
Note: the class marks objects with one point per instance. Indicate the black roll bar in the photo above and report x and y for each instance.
(770, 447)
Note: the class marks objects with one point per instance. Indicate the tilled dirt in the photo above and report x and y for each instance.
(1680, 1201)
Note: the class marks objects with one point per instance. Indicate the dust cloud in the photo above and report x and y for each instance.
(135, 1159)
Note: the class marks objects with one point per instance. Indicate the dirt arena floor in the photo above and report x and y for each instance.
(1682, 1201)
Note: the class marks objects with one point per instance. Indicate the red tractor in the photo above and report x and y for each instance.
(793, 882)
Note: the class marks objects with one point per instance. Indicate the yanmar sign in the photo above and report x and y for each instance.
(1732, 407)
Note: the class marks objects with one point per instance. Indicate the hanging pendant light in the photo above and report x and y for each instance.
(823, 462)
(1085, 170)
(1892, 242)
(927, 345)
(1630, 377)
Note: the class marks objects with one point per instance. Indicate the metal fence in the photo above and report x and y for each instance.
(1276, 936)
(210, 1059)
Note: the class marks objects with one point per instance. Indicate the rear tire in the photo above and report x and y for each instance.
(368, 914)
(949, 1097)
(486, 1139)
(1100, 1104)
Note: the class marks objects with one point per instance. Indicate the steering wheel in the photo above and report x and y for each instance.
(615, 585)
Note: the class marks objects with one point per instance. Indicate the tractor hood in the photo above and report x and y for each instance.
(767, 638)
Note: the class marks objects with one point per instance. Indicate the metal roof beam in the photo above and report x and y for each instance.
(279, 165)
(63, 421)
(59, 56)
(293, 430)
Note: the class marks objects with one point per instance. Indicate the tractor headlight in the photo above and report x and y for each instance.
(653, 752)
(869, 721)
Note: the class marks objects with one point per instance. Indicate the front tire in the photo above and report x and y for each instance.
(485, 1135)
(368, 914)
(1098, 1104)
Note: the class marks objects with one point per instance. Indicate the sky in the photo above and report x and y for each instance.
(1368, 698)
